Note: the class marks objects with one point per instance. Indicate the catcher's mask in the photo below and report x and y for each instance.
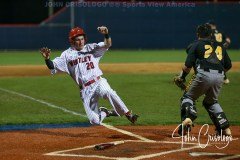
(77, 31)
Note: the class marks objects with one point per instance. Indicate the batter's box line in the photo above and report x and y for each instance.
(74, 113)
(63, 153)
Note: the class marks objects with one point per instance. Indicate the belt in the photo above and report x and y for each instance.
(90, 82)
(213, 71)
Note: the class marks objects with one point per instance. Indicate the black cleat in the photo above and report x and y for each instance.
(132, 117)
(108, 112)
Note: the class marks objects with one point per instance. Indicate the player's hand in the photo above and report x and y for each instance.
(45, 52)
(103, 30)
(179, 82)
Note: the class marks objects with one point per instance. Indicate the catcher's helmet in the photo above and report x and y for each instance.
(77, 31)
(212, 22)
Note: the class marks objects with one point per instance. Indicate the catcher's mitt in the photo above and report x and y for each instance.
(180, 82)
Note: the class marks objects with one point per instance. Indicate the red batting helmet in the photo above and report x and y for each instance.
(76, 32)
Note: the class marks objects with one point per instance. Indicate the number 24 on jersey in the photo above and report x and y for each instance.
(209, 51)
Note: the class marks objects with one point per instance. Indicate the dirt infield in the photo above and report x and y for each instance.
(41, 70)
(78, 143)
(133, 142)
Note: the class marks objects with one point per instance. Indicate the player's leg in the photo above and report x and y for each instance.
(106, 92)
(187, 105)
(218, 117)
(90, 103)
(214, 109)
(188, 115)
(118, 105)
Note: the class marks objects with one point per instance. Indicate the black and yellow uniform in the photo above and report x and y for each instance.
(206, 55)
(218, 36)
(209, 60)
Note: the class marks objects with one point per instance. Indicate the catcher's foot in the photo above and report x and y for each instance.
(131, 117)
(185, 127)
(108, 112)
(225, 132)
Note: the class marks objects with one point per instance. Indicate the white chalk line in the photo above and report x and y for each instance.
(227, 157)
(197, 154)
(63, 153)
(43, 102)
(115, 143)
(163, 153)
(75, 113)
(127, 133)
(141, 139)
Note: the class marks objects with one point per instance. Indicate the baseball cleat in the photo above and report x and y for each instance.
(225, 132)
(108, 112)
(132, 117)
(185, 127)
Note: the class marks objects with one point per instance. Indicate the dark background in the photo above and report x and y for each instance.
(25, 11)
(34, 11)
(25, 24)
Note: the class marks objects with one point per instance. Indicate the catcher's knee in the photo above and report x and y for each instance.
(217, 116)
(188, 110)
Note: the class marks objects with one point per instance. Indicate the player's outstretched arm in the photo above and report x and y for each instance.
(107, 38)
(46, 55)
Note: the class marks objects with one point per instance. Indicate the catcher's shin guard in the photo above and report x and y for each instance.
(219, 119)
(188, 109)
(188, 115)
(221, 123)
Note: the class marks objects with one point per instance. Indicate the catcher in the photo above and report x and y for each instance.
(209, 60)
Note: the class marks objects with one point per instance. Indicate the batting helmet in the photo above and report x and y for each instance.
(77, 31)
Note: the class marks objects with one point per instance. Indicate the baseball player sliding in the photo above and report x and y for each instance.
(81, 62)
